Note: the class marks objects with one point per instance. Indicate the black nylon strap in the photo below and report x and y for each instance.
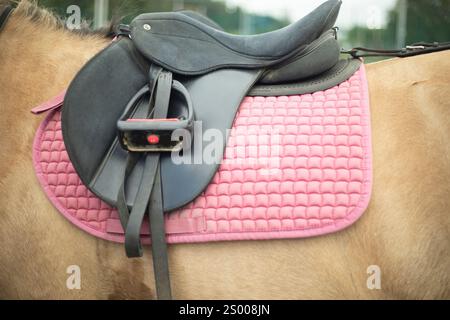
(5, 12)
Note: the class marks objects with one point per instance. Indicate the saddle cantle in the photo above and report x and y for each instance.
(164, 72)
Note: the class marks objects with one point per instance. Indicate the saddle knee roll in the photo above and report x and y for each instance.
(318, 57)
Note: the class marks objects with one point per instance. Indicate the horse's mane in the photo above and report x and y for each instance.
(29, 9)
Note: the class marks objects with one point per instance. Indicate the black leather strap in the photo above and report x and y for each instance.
(155, 207)
(133, 245)
(133, 158)
(5, 12)
(149, 195)
(409, 51)
(122, 207)
(159, 245)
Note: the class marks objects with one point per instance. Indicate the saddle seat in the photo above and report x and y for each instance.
(186, 45)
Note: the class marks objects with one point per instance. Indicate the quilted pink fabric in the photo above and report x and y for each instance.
(295, 166)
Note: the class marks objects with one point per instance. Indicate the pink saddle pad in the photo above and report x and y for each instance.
(317, 182)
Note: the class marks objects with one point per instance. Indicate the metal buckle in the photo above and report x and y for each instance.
(123, 30)
(335, 32)
(412, 48)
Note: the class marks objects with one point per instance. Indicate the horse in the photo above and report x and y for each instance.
(405, 231)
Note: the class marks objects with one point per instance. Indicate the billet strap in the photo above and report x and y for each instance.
(409, 51)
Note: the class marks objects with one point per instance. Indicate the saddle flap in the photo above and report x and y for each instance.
(96, 100)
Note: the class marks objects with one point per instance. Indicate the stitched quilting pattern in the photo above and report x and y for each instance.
(294, 166)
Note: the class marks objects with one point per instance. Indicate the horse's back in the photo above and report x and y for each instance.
(404, 231)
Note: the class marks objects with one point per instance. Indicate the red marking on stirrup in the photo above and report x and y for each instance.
(153, 120)
(153, 139)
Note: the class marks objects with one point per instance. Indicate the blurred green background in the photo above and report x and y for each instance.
(404, 22)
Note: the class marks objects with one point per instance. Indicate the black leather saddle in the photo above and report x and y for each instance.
(166, 73)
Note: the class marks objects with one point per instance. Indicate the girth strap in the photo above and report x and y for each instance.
(149, 195)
